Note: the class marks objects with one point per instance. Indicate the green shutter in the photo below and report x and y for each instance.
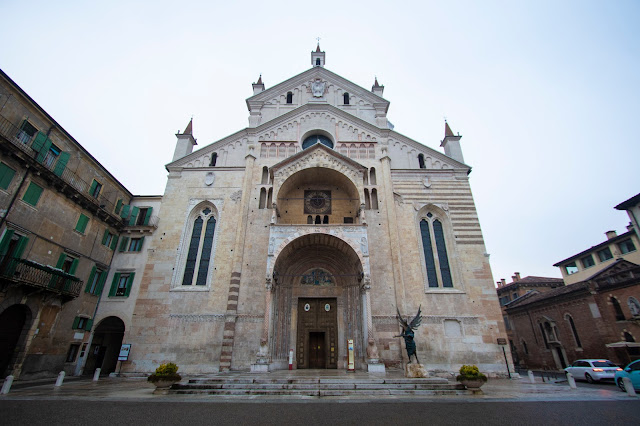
(4, 244)
(43, 151)
(125, 211)
(39, 142)
(141, 244)
(87, 288)
(118, 206)
(105, 237)
(148, 216)
(6, 175)
(76, 321)
(63, 158)
(129, 284)
(32, 194)
(94, 184)
(123, 244)
(88, 325)
(103, 278)
(74, 266)
(61, 259)
(114, 242)
(81, 226)
(114, 284)
(22, 243)
(134, 215)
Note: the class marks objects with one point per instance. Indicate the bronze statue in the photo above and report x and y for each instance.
(407, 333)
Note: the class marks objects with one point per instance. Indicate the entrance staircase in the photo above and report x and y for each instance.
(320, 384)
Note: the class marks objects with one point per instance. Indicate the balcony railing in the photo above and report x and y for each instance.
(21, 140)
(33, 274)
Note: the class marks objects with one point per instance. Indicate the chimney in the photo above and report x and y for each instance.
(611, 234)
(499, 284)
(517, 276)
(630, 227)
(504, 282)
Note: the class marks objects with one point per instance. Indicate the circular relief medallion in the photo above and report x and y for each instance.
(307, 307)
(327, 307)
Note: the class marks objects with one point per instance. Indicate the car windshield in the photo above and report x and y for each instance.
(603, 364)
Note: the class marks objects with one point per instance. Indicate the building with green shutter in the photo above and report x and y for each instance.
(60, 222)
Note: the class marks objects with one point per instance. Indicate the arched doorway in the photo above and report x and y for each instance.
(105, 346)
(317, 302)
(14, 326)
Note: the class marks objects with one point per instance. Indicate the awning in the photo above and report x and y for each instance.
(623, 344)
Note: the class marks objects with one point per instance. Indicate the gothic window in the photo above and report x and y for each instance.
(265, 175)
(214, 159)
(269, 198)
(365, 178)
(346, 99)
(372, 179)
(572, 325)
(367, 200)
(200, 248)
(289, 97)
(421, 161)
(544, 335)
(435, 252)
(617, 309)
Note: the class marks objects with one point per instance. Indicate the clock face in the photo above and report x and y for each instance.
(317, 202)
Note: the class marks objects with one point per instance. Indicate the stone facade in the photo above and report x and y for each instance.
(59, 211)
(259, 227)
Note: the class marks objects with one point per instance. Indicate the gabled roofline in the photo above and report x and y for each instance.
(308, 151)
(631, 202)
(293, 81)
(250, 131)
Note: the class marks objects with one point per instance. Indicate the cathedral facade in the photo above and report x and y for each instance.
(304, 233)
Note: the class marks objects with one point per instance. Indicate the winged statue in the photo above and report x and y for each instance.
(407, 332)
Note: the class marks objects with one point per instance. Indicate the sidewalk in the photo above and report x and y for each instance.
(138, 389)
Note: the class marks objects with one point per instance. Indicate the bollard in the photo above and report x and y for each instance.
(532, 378)
(96, 375)
(628, 386)
(571, 380)
(60, 379)
(6, 386)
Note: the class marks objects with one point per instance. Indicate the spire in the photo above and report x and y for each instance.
(318, 48)
(189, 129)
(377, 89)
(447, 129)
(259, 86)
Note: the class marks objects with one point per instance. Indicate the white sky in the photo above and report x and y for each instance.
(546, 94)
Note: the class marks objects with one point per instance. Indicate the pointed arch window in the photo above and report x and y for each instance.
(617, 309)
(434, 248)
(200, 248)
(574, 331)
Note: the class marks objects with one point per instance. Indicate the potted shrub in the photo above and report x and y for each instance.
(165, 376)
(471, 377)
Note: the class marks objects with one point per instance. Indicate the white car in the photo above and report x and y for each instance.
(593, 370)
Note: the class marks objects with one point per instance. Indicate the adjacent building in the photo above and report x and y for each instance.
(59, 226)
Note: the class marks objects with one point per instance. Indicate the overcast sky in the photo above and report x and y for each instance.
(546, 94)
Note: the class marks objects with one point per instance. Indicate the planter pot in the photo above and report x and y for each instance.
(472, 383)
(163, 386)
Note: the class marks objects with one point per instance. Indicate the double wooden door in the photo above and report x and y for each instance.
(317, 333)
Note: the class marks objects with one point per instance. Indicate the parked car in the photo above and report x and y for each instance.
(632, 371)
(593, 370)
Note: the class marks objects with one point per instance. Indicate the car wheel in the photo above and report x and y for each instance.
(621, 385)
(588, 377)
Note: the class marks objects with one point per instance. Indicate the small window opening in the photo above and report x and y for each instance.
(421, 161)
(289, 97)
(310, 220)
(325, 219)
(318, 62)
(318, 220)
(346, 99)
(214, 159)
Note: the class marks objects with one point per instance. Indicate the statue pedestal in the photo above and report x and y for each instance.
(376, 367)
(259, 368)
(416, 371)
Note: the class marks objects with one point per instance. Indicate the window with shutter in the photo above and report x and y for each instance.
(81, 225)
(6, 175)
(32, 194)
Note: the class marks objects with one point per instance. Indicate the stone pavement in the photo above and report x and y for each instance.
(138, 389)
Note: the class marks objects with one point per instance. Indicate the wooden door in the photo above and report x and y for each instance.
(317, 358)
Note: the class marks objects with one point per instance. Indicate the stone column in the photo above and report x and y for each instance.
(262, 359)
(374, 365)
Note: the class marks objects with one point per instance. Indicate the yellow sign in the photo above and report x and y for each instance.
(352, 361)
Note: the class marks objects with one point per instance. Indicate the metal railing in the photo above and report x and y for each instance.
(45, 277)
(21, 140)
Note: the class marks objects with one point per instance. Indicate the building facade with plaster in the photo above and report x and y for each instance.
(303, 234)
